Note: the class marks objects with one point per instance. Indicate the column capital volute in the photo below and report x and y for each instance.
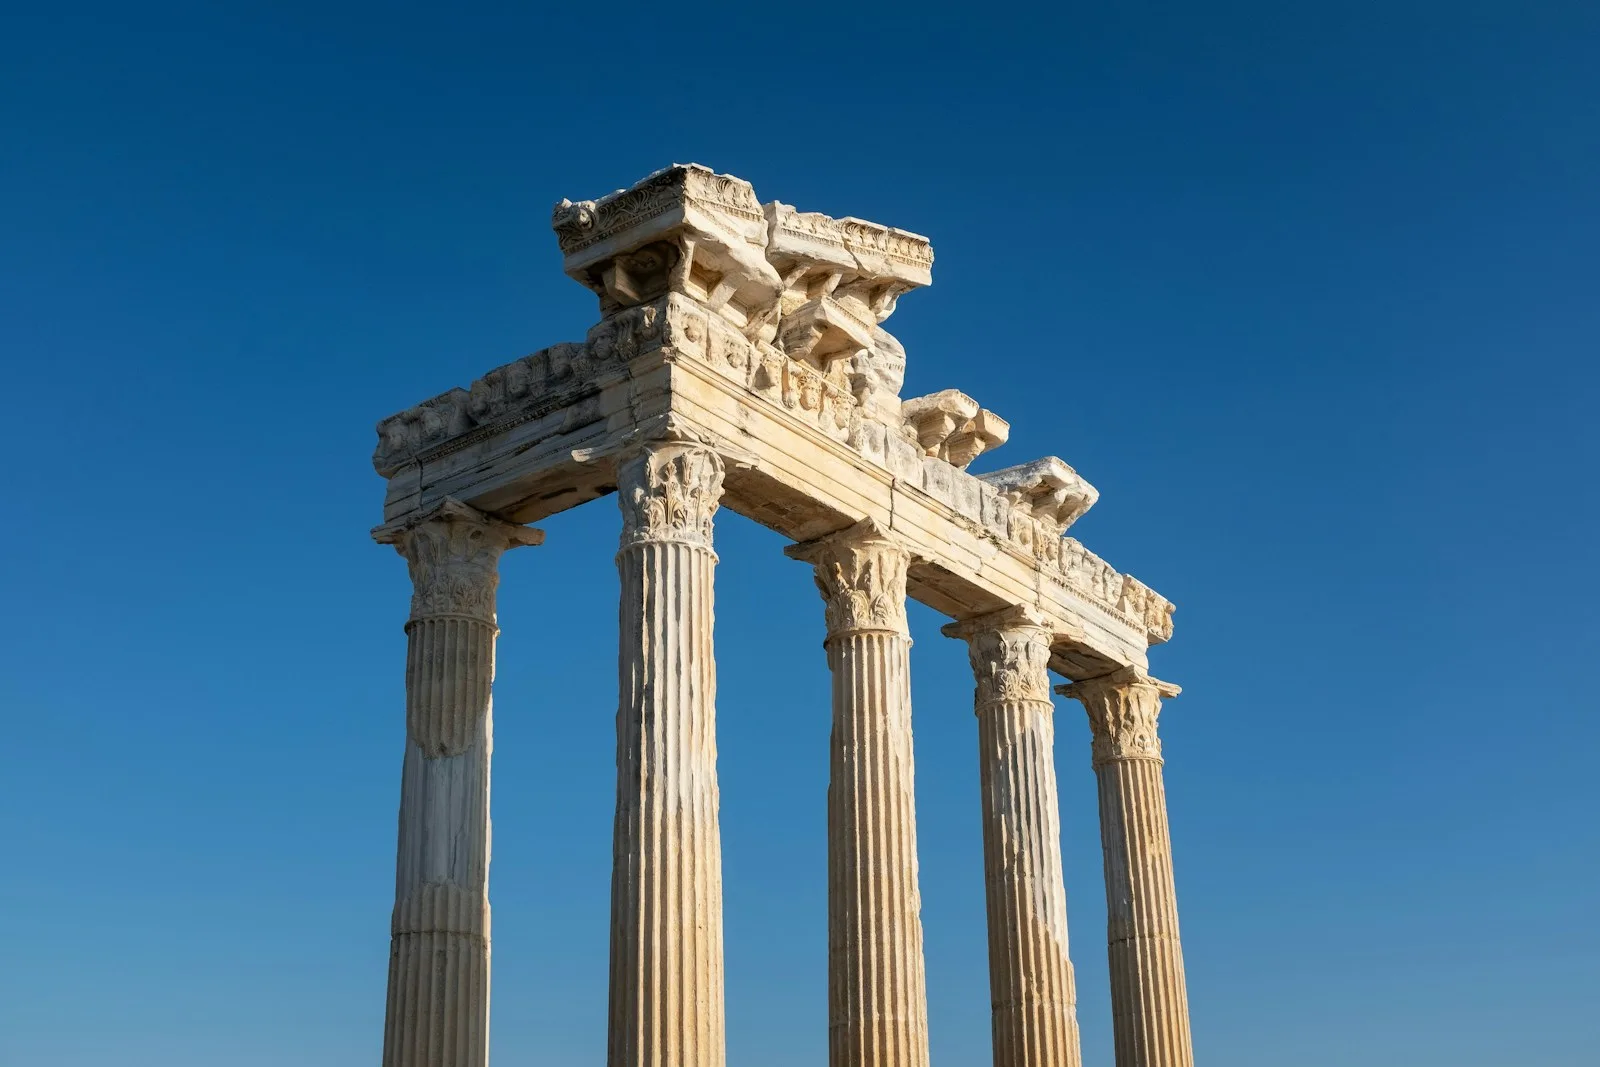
(1123, 707)
(1010, 655)
(453, 553)
(670, 489)
(861, 574)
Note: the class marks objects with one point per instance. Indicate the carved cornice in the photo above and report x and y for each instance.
(588, 222)
(1010, 654)
(1028, 527)
(453, 553)
(669, 491)
(518, 392)
(677, 328)
(861, 574)
(1123, 708)
(1047, 488)
(739, 283)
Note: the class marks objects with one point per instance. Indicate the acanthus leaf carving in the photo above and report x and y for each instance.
(1123, 708)
(453, 553)
(670, 492)
(861, 574)
(1010, 655)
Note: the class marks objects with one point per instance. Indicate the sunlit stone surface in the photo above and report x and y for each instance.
(741, 360)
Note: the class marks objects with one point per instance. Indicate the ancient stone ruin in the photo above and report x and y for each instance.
(741, 360)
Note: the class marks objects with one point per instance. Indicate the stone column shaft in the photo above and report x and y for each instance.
(666, 1000)
(438, 1004)
(877, 999)
(1149, 999)
(1031, 982)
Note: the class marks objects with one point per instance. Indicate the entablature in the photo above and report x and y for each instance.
(811, 422)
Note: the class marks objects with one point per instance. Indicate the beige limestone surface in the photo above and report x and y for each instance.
(742, 360)
(1032, 989)
(877, 996)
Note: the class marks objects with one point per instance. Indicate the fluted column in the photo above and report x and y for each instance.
(666, 891)
(1149, 1001)
(1031, 985)
(877, 1000)
(438, 1006)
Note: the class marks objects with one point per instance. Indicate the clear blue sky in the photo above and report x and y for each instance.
(1308, 291)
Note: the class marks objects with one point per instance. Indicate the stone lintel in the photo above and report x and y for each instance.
(813, 442)
(792, 468)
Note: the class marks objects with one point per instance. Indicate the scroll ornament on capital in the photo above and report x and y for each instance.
(1011, 664)
(1123, 708)
(861, 574)
(453, 554)
(670, 493)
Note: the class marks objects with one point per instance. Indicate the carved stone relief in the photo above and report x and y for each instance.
(690, 265)
(1010, 655)
(453, 553)
(1123, 708)
(670, 492)
(861, 574)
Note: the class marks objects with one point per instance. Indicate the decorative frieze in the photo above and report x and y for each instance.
(831, 284)
(1021, 507)
(520, 391)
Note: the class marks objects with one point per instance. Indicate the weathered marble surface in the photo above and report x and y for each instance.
(1149, 997)
(438, 1006)
(877, 995)
(742, 360)
(1031, 983)
(666, 887)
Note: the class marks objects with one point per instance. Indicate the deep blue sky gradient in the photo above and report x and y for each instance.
(1308, 291)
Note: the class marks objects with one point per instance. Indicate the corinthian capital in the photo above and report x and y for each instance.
(453, 553)
(861, 574)
(669, 492)
(1010, 654)
(1123, 707)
